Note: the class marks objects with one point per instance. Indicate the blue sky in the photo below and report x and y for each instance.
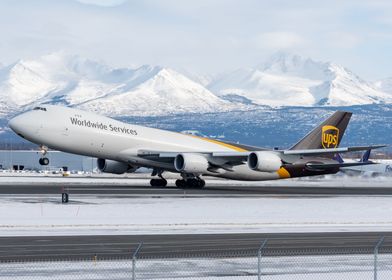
(201, 36)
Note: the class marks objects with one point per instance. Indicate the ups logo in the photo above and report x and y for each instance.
(329, 136)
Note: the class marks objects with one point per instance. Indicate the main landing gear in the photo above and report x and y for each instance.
(194, 183)
(158, 182)
(43, 160)
(161, 182)
(189, 181)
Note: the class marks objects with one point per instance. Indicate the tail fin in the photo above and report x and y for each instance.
(326, 135)
(366, 156)
(338, 158)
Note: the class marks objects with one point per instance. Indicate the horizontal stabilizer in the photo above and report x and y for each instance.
(331, 151)
(320, 166)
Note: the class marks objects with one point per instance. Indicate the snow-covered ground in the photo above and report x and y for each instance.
(88, 214)
(295, 267)
(142, 179)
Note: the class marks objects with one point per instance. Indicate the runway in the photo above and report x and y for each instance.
(126, 190)
(160, 245)
(190, 245)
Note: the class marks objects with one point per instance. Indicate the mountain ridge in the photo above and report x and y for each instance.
(282, 80)
(301, 82)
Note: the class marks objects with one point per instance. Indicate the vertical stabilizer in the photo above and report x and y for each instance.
(327, 135)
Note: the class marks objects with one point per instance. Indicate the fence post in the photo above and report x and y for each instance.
(378, 245)
(259, 254)
(134, 256)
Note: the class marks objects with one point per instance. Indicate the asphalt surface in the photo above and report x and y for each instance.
(125, 190)
(27, 248)
(190, 245)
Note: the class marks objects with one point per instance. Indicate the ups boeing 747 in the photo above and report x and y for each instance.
(122, 147)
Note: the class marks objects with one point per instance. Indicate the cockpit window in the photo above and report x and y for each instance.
(40, 108)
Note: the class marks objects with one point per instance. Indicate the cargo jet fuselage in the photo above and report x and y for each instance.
(122, 147)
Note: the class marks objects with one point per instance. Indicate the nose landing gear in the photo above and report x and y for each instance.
(43, 160)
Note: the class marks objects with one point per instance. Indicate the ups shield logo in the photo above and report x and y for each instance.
(329, 137)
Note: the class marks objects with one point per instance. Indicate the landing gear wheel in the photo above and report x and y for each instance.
(180, 184)
(191, 183)
(44, 161)
(196, 183)
(158, 182)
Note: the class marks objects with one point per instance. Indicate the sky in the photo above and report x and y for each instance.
(201, 36)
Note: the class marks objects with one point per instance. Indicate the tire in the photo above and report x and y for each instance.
(163, 183)
(180, 184)
(158, 182)
(45, 161)
(191, 183)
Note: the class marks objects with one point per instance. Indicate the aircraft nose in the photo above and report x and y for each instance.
(16, 123)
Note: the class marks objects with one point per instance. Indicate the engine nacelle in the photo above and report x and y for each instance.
(264, 161)
(191, 163)
(115, 167)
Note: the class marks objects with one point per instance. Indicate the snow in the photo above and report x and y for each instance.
(142, 179)
(291, 267)
(167, 92)
(384, 85)
(291, 80)
(184, 213)
(283, 80)
(79, 82)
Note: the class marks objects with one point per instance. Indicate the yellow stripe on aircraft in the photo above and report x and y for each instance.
(235, 148)
(283, 173)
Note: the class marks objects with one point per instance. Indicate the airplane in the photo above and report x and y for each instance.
(381, 168)
(121, 147)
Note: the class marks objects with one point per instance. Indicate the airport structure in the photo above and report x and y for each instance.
(29, 160)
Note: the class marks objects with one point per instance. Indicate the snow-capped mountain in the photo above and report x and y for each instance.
(74, 81)
(287, 80)
(283, 80)
(384, 85)
(165, 92)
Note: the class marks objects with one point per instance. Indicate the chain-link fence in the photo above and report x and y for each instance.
(265, 263)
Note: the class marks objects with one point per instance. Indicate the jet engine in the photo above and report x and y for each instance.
(191, 163)
(115, 167)
(264, 161)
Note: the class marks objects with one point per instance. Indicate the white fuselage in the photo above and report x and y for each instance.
(84, 133)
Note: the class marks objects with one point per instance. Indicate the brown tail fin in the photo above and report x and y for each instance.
(326, 135)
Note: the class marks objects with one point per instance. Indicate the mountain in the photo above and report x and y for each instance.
(282, 80)
(384, 85)
(165, 92)
(59, 78)
(291, 80)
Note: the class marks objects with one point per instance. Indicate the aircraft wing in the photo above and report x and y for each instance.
(242, 156)
(226, 160)
(223, 158)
